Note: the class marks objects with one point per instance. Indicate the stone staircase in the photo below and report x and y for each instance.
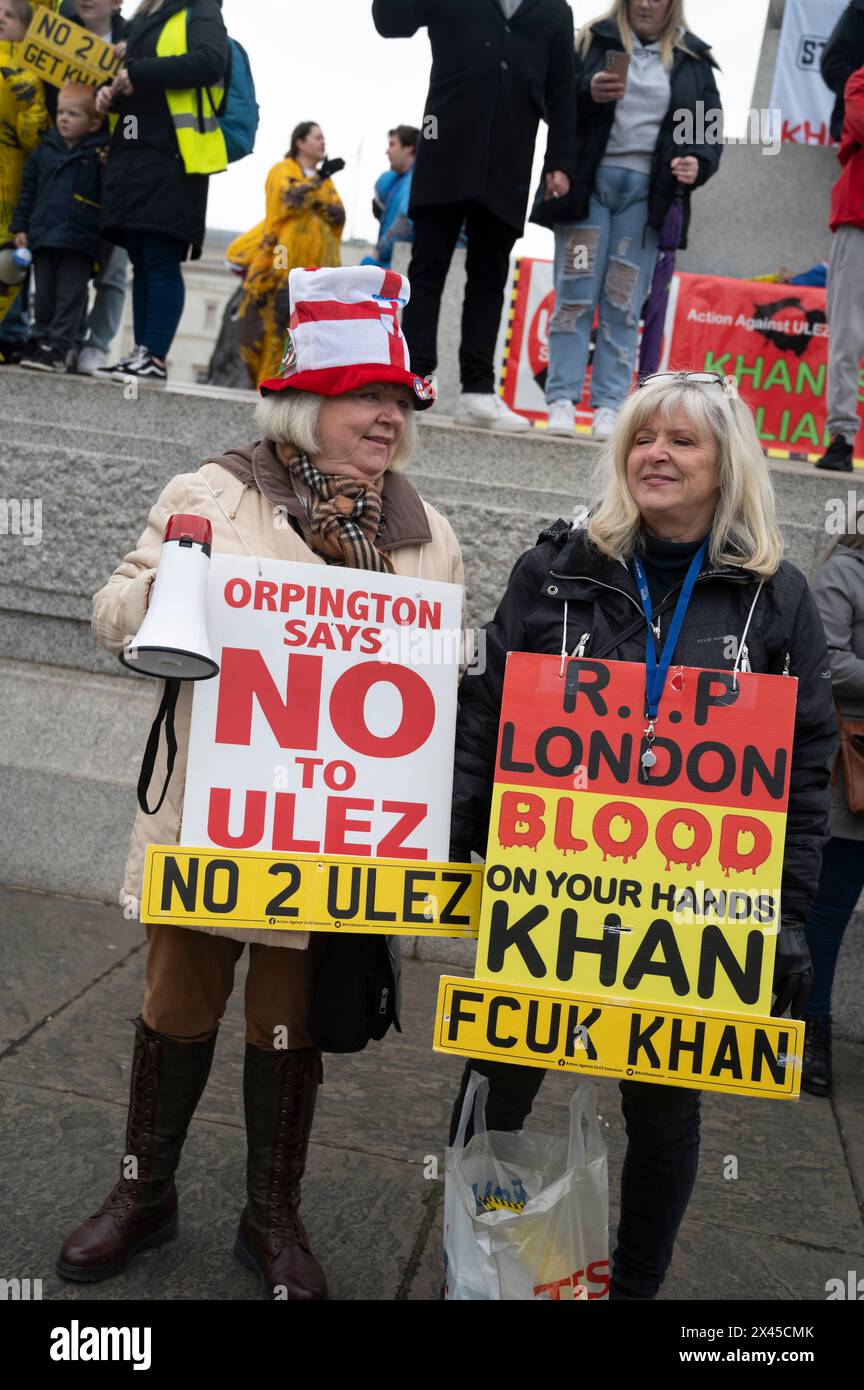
(74, 721)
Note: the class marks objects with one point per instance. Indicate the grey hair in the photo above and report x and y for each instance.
(291, 417)
(745, 530)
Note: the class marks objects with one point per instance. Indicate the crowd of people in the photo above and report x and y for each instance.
(616, 191)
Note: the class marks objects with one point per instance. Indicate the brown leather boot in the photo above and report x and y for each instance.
(279, 1090)
(167, 1080)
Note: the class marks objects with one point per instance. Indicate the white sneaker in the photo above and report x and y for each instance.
(488, 411)
(91, 360)
(604, 422)
(561, 418)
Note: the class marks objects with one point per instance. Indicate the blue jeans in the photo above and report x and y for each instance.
(840, 886)
(608, 260)
(103, 323)
(158, 289)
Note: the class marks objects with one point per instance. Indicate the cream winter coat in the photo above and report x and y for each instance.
(238, 496)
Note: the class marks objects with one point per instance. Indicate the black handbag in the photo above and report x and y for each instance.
(354, 994)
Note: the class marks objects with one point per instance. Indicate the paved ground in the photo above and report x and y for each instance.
(72, 978)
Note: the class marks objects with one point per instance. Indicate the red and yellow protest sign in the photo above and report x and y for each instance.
(611, 884)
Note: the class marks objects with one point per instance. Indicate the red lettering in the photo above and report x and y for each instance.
(238, 593)
(348, 713)
(308, 766)
(564, 828)
(411, 814)
(245, 677)
(525, 809)
(218, 815)
(284, 812)
(698, 826)
(265, 594)
(338, 825)
(296, 630)
(731, 830)
(636, 836)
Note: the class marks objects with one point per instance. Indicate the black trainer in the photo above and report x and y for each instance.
(144, 368)
(816, 1073)
(44, 358)
(837, 458)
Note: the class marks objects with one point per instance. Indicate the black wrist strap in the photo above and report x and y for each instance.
(165, 714)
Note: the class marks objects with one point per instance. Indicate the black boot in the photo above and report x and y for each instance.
(837, 458)
(141, 1209)
(279, 1090)
(816, 1074)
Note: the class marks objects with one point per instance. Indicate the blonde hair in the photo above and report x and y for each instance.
(668, 38)
(147, 7)
(744, 530)
(291, 417)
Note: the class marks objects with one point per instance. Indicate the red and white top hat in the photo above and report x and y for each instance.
(344, 332)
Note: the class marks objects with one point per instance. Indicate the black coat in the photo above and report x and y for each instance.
(147, 188)
(69, 10)
(492, 80)
(692, 81)
(842, 55)
(603, 601)
(60, 203)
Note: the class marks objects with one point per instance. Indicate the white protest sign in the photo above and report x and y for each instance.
(799, 93)
(330, 727)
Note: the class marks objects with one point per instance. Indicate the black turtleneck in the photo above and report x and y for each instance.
(666, 564)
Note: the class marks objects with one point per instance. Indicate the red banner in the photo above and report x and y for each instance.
(774, 340)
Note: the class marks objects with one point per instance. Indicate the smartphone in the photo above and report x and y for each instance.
(619, 63)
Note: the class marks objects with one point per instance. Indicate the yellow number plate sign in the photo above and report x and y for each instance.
(671, 1045)
(393, 897)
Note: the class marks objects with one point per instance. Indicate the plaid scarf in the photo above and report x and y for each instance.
(344, 517)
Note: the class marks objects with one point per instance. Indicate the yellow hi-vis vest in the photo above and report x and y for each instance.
(193, 110)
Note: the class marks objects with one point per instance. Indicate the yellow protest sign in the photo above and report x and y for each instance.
(609, 882)
(59, 51)
(702, 1049)
(219, 888)
(645, 891)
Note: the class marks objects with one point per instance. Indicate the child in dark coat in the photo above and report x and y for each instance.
(58, 217)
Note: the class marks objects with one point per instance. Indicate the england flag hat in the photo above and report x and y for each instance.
(344, 333)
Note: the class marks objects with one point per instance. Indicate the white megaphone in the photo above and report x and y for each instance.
(172, 642)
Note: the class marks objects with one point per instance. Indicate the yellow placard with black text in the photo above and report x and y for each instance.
(702, 1049)
(251, 889)
(59, 51)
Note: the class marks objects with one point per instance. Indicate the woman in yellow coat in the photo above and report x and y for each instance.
(302, 226)
(23, 119)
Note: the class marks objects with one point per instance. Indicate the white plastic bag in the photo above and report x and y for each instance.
(526, 1216)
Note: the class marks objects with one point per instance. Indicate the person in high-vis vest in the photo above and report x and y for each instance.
(166, 142)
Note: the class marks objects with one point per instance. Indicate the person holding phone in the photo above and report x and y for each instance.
(639, 73)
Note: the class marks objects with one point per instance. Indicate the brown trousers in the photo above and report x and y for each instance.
(190, 976)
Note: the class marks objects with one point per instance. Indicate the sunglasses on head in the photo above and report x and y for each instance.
(729, 384)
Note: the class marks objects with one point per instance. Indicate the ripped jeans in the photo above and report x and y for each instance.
(601, 260)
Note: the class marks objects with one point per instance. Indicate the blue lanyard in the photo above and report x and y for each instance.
(656, 673)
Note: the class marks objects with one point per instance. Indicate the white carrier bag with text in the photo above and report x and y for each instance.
(526, 1216)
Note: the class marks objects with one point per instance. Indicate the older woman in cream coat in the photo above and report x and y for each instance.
(321, 485)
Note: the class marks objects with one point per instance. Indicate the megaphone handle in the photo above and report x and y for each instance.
(166, 714)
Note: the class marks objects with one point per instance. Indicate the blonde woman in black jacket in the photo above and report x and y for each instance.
(684, 467)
